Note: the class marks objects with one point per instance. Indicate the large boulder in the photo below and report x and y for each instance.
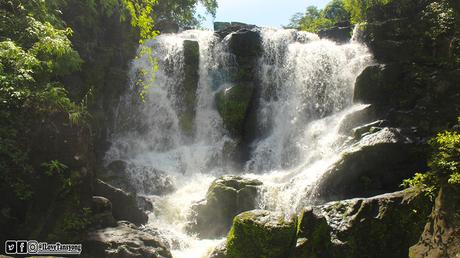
(376, 164)
(378, 84)
(411, 96)
(441, 236)
(101, 210)
(227, 196)
(124, 205)
(124, 241)
(261, 234)
(379, 227)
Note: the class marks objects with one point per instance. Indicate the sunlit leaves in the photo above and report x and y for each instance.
(444, 164)
(142, 17)
(358, 8)
(440, 18)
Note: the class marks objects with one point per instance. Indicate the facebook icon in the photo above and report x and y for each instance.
(21, 247)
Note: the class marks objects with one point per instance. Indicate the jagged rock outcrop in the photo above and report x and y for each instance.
(378, 227)
(376, 164)
(125, 240)
(411, 96)
(441, 236)
(227, 196)
(124, 205)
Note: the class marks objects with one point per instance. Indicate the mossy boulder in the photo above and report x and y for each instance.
(261, 234)
(376, 164)
(233, 106)
(226, 197)
(378, 227)
(441, 236)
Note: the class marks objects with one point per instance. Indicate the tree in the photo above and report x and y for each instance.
(294, 21)
(335, 11)
(183, 12)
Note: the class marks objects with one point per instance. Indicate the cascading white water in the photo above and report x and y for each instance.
(306, 89)
(148, 136)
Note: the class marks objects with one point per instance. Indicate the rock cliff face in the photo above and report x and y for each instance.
(441, 236)
(415, 84)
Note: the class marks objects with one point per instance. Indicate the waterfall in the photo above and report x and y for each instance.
(306, 88)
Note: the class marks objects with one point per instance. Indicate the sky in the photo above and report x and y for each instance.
(271, 13)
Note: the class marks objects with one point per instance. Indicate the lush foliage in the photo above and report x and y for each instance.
(314, 19)
(337, 11)
(183, 11)
(444, 164)
(55, 58)
(358, 8)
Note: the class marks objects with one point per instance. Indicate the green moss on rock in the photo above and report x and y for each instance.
(232, 104)
(379, 227)
(260, 233)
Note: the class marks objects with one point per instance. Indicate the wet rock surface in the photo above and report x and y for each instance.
(124, 240)
(226, 197)
(124, 206)
(358, 228)
(376, 164)
(382, 226)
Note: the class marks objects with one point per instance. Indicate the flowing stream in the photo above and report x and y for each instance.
(306, 89)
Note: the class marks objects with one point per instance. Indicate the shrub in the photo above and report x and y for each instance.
(444, 164)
